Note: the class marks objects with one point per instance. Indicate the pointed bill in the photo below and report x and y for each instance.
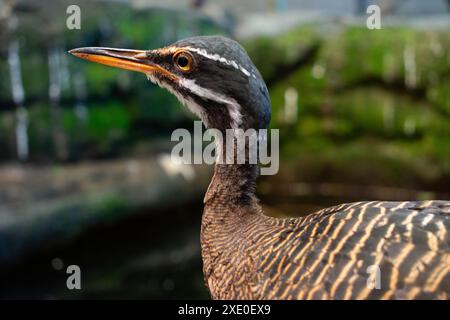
(128, 59)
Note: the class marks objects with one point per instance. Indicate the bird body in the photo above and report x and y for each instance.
(363, 250)
(339, 252)
(329, 254)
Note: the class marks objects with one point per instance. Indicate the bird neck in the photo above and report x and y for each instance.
(230, 206)
(233, 183)
(232, 186)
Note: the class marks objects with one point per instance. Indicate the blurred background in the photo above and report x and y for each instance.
(85, 171)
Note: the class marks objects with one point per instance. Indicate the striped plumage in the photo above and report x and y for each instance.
(335, 253)
(326, 255)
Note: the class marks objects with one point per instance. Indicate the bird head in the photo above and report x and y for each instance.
(211, 75)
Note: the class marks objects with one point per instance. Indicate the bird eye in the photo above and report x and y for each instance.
(184, 61)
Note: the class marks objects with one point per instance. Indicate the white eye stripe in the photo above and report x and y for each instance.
(223, 60)
(214, 57)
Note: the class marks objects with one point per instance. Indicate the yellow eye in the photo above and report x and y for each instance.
(184, 61)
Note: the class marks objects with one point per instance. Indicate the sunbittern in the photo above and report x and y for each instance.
(328, 254)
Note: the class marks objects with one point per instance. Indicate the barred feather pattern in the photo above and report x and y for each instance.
(327, 254)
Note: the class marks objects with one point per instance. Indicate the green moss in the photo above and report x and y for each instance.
(268, 53)
(439, 95)
(361, 107)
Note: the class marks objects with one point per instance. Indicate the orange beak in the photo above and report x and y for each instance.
(135, 60)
